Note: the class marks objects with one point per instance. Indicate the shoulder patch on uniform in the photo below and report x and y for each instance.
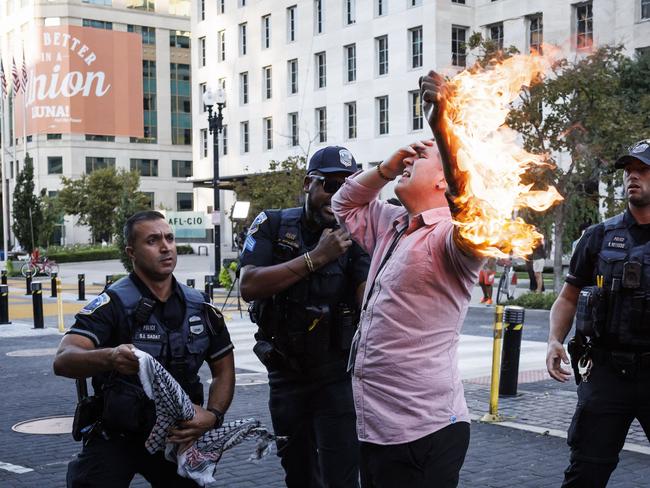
(255, 225)
(95, 303)
(249, 244)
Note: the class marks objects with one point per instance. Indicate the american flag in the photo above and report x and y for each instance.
(3, 81)
(24, 81)
(15, 76)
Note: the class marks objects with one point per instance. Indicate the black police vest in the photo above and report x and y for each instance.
(308, 314)
(182, 350)
(624, 309)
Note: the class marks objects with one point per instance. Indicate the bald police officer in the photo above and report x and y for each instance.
(149, 310)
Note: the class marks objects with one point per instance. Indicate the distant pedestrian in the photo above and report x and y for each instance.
(486, 280)
(609, 286)
(539, 260)
(413, 421)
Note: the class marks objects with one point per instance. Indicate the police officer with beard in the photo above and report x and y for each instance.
(151, 311)
(306, 279)
(608, 290)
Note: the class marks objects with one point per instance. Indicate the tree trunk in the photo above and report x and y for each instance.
(558, 232)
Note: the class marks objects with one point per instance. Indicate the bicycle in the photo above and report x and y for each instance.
(43, 266)
(507, 282)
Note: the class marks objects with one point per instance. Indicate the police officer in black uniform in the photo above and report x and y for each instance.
(608, 285)
(151, 311)
(306, 279)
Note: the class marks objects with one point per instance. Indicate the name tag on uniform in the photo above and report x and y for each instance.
(148, 336)
(618, 242)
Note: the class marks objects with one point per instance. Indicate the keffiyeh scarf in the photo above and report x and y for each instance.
(199, 462)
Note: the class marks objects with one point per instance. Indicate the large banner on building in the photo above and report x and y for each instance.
(82, 80)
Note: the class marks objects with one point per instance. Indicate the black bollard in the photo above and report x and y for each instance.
(191, 283)
(37, 305)
(4, 304)
(209, 280)
(28, 283)
(3, 277)
(53, 288)
(513, 318)
(81, 282)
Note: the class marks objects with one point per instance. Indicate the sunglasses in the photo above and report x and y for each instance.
(330, 186)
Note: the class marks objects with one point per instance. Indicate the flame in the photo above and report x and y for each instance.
(490, 160)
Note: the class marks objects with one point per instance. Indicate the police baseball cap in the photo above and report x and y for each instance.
(639, 151)
(332, 159)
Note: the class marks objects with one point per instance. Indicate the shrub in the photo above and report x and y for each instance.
(226, 274)
(542, 301)
(82, 253)
(184, 249)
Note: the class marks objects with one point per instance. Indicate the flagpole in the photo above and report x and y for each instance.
(3, 175)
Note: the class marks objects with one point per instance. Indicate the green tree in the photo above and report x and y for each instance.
(98, 197)
(280, 187)
(52, 215)
(26, 207)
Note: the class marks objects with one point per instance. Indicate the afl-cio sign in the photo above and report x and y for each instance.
(188, 224)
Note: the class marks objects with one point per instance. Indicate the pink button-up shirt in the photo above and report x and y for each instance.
(405, 381)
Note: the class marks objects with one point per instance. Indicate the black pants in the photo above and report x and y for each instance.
(433, 461)
(318, 419)
(112, 463)
(607, 405)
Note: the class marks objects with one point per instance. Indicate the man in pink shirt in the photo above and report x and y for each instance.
(412, 419)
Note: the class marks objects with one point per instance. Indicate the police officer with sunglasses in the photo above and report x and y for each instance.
(305, 278)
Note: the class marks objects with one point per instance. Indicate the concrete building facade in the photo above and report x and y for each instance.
(303, 74)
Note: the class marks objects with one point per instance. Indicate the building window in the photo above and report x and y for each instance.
(460, 2)
(202, 89)
(350, 11)
(149, 104)
(146, 167)
(416, 110)
(184, 201)
(321, 70)
(535, 33)
(181, 169)
(243, 88)
(146, 5)
(148, 33)
(53, 137)
(458, 46)
(382, 114)
(95, 163)
(99, 138)
(54, 165)
(182, 8)
(221, 46)
(351, 120)
(292, 75)
(97, 24)
(224, 140)
(291, 23)
(267, 124)
(642, 51)
(414, 3)
(293, 129)
(105, 3)
(243, 135)
(266, 31)
(202, 9)
(222, 6)
(381, 7)
(268, 82)
(496, 34)
(318, 16)
(645, 9)
(321, 124)
(415, 40)
(381, 47)
(180, 39)
(584, 26)
(350, 62)
(242, 39)
(181, 103)
(202, 51)
(204, 143)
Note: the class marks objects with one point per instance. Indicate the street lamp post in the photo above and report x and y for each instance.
(215, 125)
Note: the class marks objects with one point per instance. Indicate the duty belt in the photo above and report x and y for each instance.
(629, 363)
